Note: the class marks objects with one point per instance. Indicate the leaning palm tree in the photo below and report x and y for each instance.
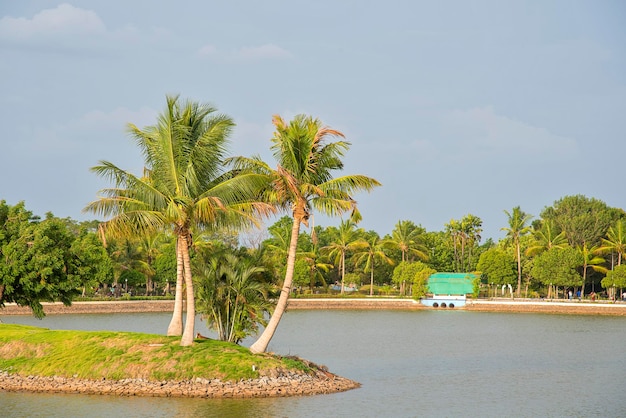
(303, 181)
(184, 186)
(518, 227)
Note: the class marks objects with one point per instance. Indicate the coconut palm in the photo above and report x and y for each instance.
(184, 186)
(518, 227)
(368, 252)
(406, 237)
(590, 260)
(546, 238)
(615, 241)
(303, 181)
(346, 240)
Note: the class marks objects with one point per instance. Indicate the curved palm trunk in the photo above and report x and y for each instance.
(190, 318)
(260, 346)
(176, 324)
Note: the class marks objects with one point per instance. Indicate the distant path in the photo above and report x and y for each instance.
(495, 305)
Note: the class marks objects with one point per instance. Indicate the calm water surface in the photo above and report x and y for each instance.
(411, 364)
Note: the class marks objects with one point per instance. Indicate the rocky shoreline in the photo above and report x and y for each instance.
(283, 384)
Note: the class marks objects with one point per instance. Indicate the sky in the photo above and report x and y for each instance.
(456, 107)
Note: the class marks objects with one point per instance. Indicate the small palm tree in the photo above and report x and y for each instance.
(232, 297)
(518, 227)
(303, 180)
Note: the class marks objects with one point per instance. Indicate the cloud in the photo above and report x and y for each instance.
(481, 133)
(261, 52)
(267, 51)
(65, 19)
(206, 50)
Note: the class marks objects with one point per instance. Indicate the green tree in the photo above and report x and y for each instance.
(518, 227)
(184, 186)
(35, 258)
(367, 253)
(583, 220)
(92, 264)
(497, 266)
(416, 273)
(615, 278)
(558, 268)
(303, 180)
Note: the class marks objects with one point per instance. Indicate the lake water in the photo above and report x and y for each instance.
(410, 363)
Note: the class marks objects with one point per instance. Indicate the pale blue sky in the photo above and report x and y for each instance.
(456, 106)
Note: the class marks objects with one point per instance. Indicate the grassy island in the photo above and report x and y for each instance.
(128, 363)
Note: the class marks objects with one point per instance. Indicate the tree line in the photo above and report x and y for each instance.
(191, 224)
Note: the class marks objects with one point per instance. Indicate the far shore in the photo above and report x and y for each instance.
(556, 306)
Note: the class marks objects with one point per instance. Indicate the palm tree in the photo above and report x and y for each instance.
(301, 182)
(518, 227)
(615, 241)
(406, 237)
(590, 260)
(346, 240)
(317, 265)
(184, 186)
(370, 251)
(232, 298)
(546, 238)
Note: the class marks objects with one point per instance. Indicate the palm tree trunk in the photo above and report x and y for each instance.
(190, 318)
(343, 269)
(372, 281)
(519, 271)
(176, 324)
(260, 346)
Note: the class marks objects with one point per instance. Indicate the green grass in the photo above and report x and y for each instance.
(96, 355)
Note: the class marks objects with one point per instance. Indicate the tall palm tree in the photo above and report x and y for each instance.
(184, 186)
(518, 227)
(346, 240)
(615, 241)
(368, 252)
(303, 181)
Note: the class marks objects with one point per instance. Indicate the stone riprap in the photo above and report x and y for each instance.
(285, 384)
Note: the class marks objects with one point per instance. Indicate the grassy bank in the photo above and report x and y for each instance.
(94, 355)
